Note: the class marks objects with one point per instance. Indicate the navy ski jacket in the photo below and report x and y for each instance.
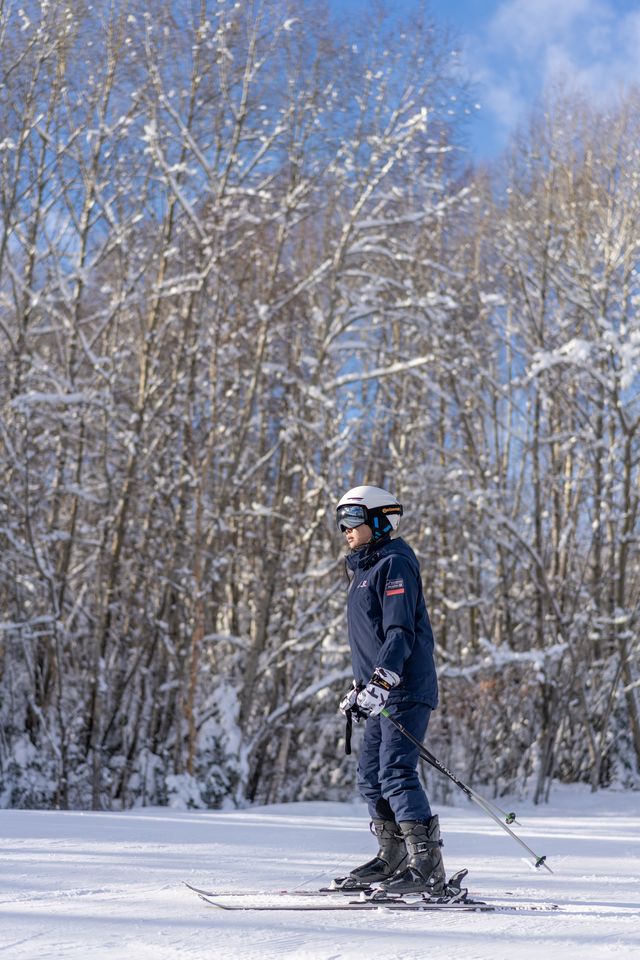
(388, 621)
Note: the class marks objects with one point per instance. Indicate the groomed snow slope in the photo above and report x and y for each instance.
(109, 885)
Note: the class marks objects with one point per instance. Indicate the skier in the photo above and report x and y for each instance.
(392, 658)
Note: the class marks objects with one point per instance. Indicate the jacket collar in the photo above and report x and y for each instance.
(367, 556)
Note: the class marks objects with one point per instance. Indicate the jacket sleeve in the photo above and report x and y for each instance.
(398, 590)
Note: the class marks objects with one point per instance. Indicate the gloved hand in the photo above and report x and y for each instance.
(348, 701)
(374, 697)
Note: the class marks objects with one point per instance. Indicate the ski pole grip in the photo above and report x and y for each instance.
(347, 734)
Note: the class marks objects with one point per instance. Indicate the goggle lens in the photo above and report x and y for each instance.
(349, 516)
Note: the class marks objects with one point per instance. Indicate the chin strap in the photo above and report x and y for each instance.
(373, 556)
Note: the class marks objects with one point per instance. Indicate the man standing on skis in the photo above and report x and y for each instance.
(392, 657)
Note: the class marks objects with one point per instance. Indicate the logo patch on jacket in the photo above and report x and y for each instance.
(394, 587)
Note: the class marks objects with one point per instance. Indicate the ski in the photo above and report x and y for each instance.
(216, 899)
(455, 906)
(319, 892)
(340, 885)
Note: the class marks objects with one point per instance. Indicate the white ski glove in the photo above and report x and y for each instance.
(374, 697)
(348, 702)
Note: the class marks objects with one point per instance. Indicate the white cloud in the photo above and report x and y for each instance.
(527, 26)
(505, 102)
(528, 45)
(600, 60)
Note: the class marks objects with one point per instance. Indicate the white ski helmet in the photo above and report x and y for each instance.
(374, 506)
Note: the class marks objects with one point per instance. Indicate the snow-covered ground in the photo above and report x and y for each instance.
(109, 885)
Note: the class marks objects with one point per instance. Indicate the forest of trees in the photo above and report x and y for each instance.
(245, 263)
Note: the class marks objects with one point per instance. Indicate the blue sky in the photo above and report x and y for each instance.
(514, 49)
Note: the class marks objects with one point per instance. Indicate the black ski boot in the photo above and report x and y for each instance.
(424, 872)
(391, 855)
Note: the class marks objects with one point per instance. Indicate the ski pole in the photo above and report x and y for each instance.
(482, 803)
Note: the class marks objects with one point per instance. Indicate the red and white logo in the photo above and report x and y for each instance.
(394, 587)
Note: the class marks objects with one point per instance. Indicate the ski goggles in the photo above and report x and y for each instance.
(350, 515)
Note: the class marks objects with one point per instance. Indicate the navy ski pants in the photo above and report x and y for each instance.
(387, 766)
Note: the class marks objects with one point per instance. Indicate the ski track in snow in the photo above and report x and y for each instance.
(108, 886)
